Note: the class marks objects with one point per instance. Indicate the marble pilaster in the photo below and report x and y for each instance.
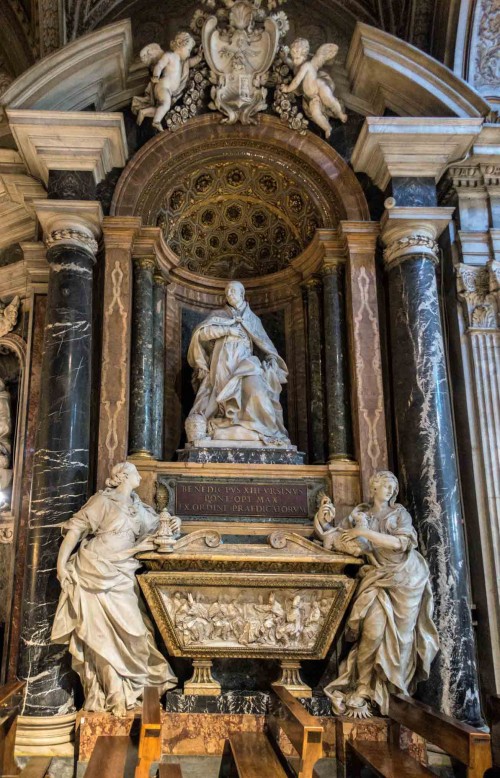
(360, 241)
(338, 404)
(159, 288)
(141, 378)
(313, 294)
(479, 292)
(426, 450)
(118, 233)
(61, 457)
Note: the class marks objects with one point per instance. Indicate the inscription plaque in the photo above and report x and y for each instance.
(266, 500)
(246, 499)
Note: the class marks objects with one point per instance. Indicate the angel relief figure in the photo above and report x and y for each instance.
(315, 85)
(8, 316)
(169, 76)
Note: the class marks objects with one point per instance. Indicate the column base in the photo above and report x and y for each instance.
(141, 454)
(202, 681)
(291, 680)
(45, 735)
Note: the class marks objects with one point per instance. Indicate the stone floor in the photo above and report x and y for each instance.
(200, 767)
(192, 767)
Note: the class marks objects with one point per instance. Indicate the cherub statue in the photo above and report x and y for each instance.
(170, 72)
(332, 536)
(8, 316)
(315, 85)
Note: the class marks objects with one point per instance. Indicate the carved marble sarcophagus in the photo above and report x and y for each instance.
(281, 599)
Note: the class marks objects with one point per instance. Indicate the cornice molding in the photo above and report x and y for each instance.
(56, 140)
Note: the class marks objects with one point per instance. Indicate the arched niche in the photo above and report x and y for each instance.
(264, 195)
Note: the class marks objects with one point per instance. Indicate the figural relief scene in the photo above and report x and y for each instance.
(249, 328)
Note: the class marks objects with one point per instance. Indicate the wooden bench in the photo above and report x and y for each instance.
(493, 717)
(259, 755)
(250, 755)
(169, 770)
(111, 757)
(466, 744)
(303, 731)
(150, 737)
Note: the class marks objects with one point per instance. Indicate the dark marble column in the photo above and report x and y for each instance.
(141, 378)
(427, 459)
(158, 362)
(313, 294)
(60, 465)
(338, 405)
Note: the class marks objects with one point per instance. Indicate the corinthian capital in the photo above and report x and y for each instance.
(479, 292)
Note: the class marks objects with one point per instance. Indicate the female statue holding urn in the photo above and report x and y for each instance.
(391, 619)
(99, 613)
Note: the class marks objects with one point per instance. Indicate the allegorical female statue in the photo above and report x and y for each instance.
(391, 619)
(99, 613)
(237, 394)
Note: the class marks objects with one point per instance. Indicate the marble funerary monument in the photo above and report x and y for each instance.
(249, 280)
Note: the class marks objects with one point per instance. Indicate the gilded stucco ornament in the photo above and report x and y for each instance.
(239, 54)
(395, 639)
(314, 85)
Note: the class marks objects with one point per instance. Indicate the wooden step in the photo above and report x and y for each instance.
(250, 755)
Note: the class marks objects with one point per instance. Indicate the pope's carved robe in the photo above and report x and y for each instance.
(237, 393)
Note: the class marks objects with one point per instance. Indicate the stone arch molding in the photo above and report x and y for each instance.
(383, 72)
(321, 186)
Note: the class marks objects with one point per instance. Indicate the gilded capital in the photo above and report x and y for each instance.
(145, 263)
(159, 279)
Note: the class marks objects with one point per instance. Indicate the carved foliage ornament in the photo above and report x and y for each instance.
(58, 237)
(479, 291)
(411, 244)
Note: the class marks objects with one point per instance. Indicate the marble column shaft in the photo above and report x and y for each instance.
(338, 405)
(60, 472)
(158, 363)
(313, 290)
(141, 379)
(428, 468)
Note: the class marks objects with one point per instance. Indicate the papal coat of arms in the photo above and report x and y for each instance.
(239, 57)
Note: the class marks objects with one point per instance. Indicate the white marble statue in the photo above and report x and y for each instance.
(5, 447)
(391, 619)
(8, 316)
(237, 395)
(315, 85)
(5, 421)
(331, 536)
(99, 614)
(169, 75)
(239, 57)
